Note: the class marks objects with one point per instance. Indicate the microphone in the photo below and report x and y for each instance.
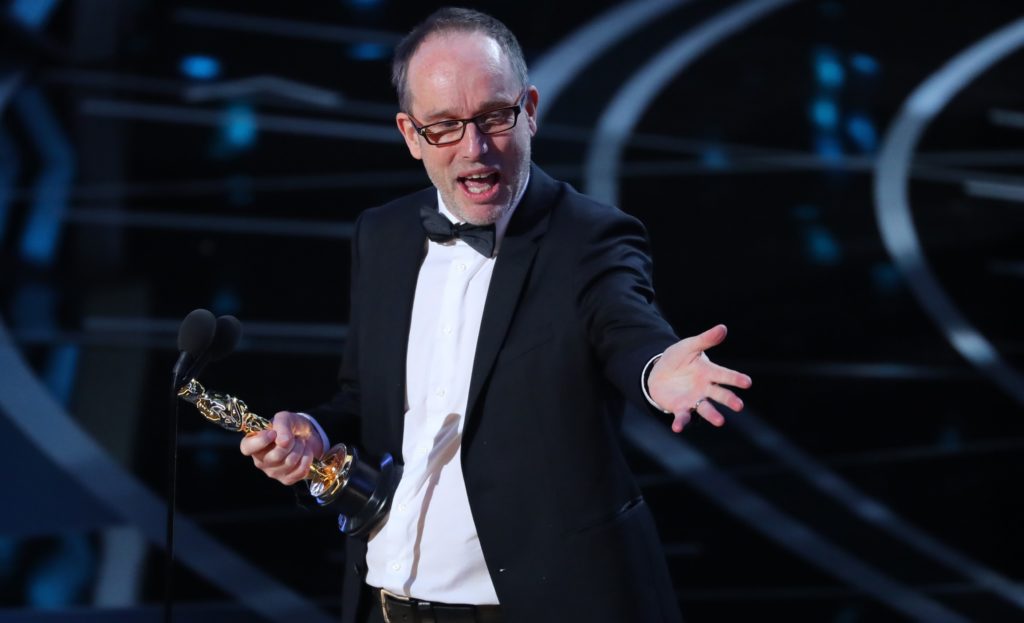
(201, 339)
(227, 333)
(195, 336)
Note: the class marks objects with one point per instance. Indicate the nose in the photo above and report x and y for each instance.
(474, 142)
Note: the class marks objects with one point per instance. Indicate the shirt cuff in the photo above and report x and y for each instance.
(320, 430)
(643, 382)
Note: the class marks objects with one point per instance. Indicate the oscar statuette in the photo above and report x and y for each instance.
(360, 492)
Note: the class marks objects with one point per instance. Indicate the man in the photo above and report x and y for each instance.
(497, 375)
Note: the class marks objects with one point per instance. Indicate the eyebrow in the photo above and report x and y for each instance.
(484, 109)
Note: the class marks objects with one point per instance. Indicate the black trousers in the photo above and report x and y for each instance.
(375, 615)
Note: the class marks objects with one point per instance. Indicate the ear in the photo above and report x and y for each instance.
(408, 130)
(530, 105)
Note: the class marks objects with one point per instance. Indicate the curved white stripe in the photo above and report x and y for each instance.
(873, 512)
(558, 66)
(892, 207)
(681, 459)
(602, 167)
(601, 170)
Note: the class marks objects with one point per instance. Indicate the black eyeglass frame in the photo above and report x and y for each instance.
(516, 109)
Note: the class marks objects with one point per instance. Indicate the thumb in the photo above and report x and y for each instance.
(283, 426)
(684, 351)
(711, 338)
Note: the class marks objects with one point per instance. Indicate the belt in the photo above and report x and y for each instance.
(401, 609)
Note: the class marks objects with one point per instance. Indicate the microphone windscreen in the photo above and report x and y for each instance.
(196, 332)
(229, 331)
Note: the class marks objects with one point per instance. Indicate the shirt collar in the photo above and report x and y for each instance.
(502, 223)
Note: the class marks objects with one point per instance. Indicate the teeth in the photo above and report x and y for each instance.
(478, 182)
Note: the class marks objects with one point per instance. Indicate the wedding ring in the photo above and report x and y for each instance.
(697, 404)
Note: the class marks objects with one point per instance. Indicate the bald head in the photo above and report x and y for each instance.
(446, 22)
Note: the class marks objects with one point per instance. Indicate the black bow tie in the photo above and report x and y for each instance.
(440, 229)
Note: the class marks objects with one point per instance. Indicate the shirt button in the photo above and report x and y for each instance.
(447, 330)
(396, 566)
(460, 267)
(402, 507)
(440, 392)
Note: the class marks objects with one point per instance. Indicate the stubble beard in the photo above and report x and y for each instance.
(493, 213)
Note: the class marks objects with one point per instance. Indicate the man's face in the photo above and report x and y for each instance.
(458, 76)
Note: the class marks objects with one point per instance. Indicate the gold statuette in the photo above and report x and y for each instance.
(327, 476)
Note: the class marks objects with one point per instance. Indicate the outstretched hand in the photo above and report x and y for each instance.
(685, 381)
(285, 451)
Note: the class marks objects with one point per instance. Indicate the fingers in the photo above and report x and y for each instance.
(724, 376)
(257, 442)
(287, 468)
(710, 338)
(686, 381)
(282, 452)
(706, 409)
(285, 424)
(284, 444)
(686, 351)
(300, 471)
(680, 421)
(724, 396)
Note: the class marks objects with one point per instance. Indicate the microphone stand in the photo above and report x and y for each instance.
(172, 486)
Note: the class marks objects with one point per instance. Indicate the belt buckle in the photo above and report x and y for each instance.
(384, 594)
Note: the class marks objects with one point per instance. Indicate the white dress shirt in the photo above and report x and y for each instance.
(428, 548)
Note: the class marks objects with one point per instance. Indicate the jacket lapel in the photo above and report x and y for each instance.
(397, 275)
(511, 269)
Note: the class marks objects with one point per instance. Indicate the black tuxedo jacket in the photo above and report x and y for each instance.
(568, 325)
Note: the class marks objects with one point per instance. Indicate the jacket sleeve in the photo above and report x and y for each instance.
(340, 416)
(615, 297)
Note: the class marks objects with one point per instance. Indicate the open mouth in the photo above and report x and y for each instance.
(480, 184)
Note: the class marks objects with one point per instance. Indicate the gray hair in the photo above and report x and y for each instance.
(450, 20)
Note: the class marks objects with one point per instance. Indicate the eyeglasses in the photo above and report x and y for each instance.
(452, 130)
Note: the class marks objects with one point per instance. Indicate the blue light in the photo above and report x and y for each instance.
(61, 580)
(199, 67)
(369, 51)
(239, 126)
(828, 147)
(862, 131)
(8, 555)
(864, 63)
(825, 113)
(363, 5)
(827, 69)
(60, 372)
(226, 301)
(32, 13)
(41, 233)
(821, 246)
(714, 158)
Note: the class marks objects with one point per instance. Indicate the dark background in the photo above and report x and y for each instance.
(158, 157)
